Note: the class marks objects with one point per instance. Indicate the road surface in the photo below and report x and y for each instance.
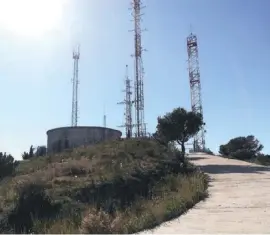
(239, 200)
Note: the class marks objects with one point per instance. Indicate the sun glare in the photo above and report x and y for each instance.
(31, 18)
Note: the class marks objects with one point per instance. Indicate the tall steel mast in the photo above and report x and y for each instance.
(75, 82)
(195, 87)
(139, 71)
(128, 106)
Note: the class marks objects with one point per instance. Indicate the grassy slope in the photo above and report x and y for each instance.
(114, 187)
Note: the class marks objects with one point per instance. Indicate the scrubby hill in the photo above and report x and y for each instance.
(115, 187)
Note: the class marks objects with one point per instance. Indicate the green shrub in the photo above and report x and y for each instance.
(7, 165)
(33, 203)
(101, 189)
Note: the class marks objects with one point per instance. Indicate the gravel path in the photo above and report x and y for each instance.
(239, 200)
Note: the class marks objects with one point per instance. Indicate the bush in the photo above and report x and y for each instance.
(7, 165)
(263, 159)
(208, 151)
(242, 154)
(246, 149)
(104, 188)
(32, 204)
(172, 196)
(242, 148)
(100, 222)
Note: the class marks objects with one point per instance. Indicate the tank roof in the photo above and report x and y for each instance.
(81, 127)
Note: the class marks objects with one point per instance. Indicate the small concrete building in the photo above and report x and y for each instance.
(62, 138)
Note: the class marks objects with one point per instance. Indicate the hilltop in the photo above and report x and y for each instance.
(121, 186)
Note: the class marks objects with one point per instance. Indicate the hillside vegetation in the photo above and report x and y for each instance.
(116, 187)
(245, 148)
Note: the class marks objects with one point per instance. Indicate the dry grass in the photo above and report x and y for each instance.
(57, 226)
(86, 165)
(104, 159)
(65, 175)
(173, 197)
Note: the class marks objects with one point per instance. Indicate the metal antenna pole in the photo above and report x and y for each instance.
(104, 117)
(128, 106)
(195, 87)
(139, 71)
(75, 83)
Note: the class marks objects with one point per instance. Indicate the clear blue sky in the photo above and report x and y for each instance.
(234, 36)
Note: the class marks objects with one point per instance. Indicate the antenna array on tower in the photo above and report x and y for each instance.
(75, 82)
(195, 87)
(139, 71)
(128, 106)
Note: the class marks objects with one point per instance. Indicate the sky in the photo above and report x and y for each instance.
(36, 42)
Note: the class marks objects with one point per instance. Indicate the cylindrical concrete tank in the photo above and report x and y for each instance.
(62, 138)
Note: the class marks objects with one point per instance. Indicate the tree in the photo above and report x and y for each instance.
(241, 148)
(25, 155)
(208, 151)
(28, 155)
(179, 125)
(7, 165)
(31, 151)
(263, 159)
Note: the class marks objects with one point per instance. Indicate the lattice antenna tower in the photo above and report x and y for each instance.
(104, 118)
(195, 87)
(75, 83)
(139, 70)
(128, 106)
(105, 122)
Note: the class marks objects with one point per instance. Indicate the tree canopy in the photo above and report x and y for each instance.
(7, 165)
(241, 148)
(263, 159)
(179, 125)
(28, 155)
